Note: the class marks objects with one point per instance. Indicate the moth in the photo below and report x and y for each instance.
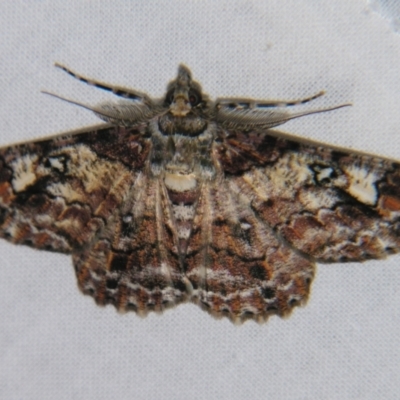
(187, 199)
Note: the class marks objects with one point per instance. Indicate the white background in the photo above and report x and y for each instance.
(56, 343)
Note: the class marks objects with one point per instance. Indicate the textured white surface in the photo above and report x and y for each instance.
(57, 344)
(389, 9)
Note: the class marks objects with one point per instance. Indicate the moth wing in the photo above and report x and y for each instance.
(57, 193)
(134, 264)
(236, 264)
(328, 203)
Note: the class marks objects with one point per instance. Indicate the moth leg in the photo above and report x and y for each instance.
(117, 90)
(248, 104)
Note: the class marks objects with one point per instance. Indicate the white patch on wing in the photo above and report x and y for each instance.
(324, 173)
(56, 163)
(164, 270)
(24, 172)
(66, 191)
(362, 184)
(315, 200)
(245, 226)
(221, 276)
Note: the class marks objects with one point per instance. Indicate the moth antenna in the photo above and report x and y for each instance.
(290, 103)
(321, 110)
(117, 90)
(248, 103)
(267, 119)
(87, 107)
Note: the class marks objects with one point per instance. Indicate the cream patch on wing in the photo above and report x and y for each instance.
(24, 172)
(66, 191)
(361, 184)
(324, 173)
(288, 173)
(56, 163)
(93, 172)
(314, 200)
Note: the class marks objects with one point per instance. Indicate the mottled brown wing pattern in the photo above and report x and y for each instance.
(330, 204)
(56, 194)
(133, 264)
(88, 194)
(236, 264)
(183, 198)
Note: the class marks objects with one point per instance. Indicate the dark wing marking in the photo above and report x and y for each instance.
(330, 204)
(55, 194)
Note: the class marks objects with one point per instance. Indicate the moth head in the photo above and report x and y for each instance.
(183, 94)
